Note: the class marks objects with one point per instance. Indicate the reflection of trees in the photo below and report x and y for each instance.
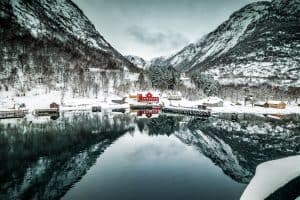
(163, 125)
(141, 124)
(43, 160)
(196, 123)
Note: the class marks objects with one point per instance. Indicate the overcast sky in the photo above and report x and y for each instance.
(153, 28)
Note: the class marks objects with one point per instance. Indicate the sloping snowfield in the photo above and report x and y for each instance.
(270, 176)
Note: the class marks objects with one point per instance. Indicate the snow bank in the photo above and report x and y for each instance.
(212, 100)
(271, 176)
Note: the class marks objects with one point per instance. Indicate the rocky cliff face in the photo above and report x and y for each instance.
(138, 61)
(48, 41)
(259, 44)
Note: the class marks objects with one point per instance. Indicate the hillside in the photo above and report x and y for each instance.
(50, 42)
(259, 44)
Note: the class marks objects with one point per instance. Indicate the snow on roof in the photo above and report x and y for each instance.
(94, 69)
(275, 102)
(212, 100)
(270, 176)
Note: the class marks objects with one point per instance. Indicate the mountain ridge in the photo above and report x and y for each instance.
(259, 37)
(48, 42)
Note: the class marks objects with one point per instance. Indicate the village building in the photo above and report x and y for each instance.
(275, 104)
(175, 96)
(54, 106)
(186, 81)
(272, 104)
(213, 102)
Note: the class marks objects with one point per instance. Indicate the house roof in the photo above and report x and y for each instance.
(275, 102)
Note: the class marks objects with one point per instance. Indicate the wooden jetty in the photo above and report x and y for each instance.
(121, 101)
(46, 112)
(144, 106)
(13, 114)
(119, 110)
(187, 111)
(96, 108)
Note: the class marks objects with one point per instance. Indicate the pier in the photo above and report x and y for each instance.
(13, 114)
(46, 112)
(187, 111)
(144, 107)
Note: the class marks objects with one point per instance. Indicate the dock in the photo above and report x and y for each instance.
(13, 114)
(96, 108)
(46, 112)
(144, 107)
(187, 111)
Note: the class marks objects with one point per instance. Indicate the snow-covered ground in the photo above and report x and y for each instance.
(271, 176)
(229, 108)
(42, 100)
(39, 100)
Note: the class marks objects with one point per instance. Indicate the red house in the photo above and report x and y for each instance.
(149, 98)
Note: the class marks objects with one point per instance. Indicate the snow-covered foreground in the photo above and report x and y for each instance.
(270, 176)
(40, 100)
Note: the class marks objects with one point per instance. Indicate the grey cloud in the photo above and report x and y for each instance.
(165, 40)
(152, 28)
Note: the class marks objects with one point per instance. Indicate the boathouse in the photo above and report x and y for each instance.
(275, 104)
(272, 104)
(213, 102)
(54, 106)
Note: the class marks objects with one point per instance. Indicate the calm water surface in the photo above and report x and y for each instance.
(119, 156)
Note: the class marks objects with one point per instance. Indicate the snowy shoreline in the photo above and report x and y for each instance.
(42, 101)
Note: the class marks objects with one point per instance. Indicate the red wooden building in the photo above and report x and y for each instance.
(148, 98)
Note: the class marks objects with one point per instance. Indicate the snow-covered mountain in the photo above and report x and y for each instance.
(145, 64)
(44, 38)
(258, 44)
(138, 61)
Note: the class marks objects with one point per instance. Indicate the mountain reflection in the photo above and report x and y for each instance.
(43, 160)
(237, 147)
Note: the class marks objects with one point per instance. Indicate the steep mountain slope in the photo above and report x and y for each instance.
(258, 44)
(138, 61)
(145, 64)
(44, 39)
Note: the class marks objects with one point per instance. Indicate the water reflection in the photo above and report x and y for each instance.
(43, 160)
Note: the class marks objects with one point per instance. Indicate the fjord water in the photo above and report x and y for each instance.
(83, 155)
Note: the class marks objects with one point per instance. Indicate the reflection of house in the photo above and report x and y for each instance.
(213, 102)
(272, 104)
(274, 116)
(202, 107)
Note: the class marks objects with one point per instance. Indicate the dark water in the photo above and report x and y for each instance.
(118, 156)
